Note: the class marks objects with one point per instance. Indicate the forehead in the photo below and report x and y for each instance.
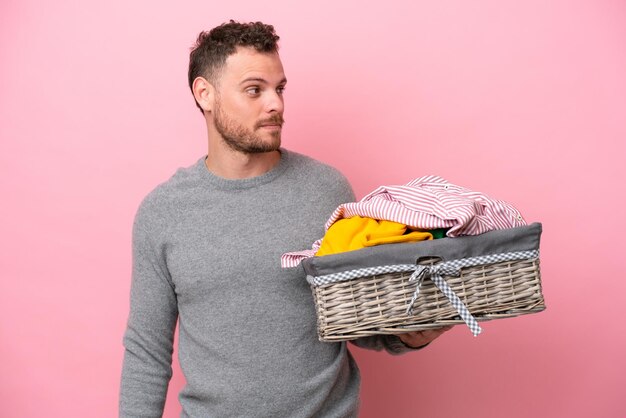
(249, 63)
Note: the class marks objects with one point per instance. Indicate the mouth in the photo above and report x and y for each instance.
(271, 126)
(274, 123)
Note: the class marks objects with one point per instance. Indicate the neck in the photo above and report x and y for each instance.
(227, 163)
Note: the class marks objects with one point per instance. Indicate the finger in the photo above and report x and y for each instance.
(435, 332)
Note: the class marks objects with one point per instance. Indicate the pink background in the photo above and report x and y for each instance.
(522, 100)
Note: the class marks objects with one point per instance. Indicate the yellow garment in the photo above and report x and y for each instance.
(350, 234)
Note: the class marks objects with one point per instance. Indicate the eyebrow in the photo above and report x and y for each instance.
(260, 80)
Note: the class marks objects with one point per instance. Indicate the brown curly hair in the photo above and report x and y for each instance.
(212, 48)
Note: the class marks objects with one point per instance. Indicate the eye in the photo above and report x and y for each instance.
(253, 91)
(280, 90)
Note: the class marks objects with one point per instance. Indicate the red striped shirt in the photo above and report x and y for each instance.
(429, 202)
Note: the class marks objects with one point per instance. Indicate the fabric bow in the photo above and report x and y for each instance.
(436, 273)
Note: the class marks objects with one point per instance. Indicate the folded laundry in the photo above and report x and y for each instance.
(354, 233)
(428, 202)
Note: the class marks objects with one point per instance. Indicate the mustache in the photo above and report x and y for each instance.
(273, 120)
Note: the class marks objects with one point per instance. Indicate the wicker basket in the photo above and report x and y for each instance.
(353, 307)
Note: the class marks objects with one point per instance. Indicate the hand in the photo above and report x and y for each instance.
(418, 339)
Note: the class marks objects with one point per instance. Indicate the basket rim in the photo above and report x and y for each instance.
(445, 266)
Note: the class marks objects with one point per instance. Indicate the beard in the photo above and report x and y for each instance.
(241, 139)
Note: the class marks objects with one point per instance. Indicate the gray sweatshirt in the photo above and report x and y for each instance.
(206, 252)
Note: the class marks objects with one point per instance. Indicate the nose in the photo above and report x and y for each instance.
(275, 103)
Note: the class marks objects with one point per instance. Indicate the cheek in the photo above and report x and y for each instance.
(244, 111)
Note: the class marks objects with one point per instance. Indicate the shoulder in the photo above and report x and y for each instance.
(319, 177)
(304, 162)
(163, 203)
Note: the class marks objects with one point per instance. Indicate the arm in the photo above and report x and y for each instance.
(148, 340)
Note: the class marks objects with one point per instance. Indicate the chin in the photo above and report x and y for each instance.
(265, 147)
(273, 144)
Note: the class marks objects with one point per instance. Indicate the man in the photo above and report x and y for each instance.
(206, 252)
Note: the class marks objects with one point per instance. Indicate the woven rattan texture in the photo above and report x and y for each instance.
(377, 304)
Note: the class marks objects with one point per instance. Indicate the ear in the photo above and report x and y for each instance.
(204, 93)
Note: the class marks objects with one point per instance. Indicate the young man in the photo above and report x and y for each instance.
(206, 252)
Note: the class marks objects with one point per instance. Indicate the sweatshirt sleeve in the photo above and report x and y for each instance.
(148, 340)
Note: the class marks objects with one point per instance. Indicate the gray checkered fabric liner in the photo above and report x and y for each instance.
(353, 274)
(435, 273)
